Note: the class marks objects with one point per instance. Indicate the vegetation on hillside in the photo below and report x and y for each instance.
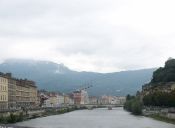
(161, 97)
(158, 98)
(165, 74)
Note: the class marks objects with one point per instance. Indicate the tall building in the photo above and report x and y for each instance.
(53, 99)
(60, 99)
(81, 97)
(11, 91)
(84, 97)
(26, 93)
(77, 97)
(71, 99)
(17, 93)
(3, 92)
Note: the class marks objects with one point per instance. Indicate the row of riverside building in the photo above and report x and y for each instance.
(23, 94)
(57, 99)
(16, 93)
(79, 97)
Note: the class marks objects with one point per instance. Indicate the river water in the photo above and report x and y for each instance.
(97, 118)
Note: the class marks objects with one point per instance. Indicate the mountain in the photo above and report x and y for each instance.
(53, 76)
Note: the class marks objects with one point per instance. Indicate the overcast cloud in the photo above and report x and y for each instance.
(89, 35)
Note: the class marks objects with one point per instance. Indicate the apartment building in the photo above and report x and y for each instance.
(3, 92)
(93, 100)
(53, 98)
(11, 92)
(60, 99)
(80, 97)
(66, 99)
(26, 94)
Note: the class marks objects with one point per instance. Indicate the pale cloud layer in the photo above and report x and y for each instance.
(89, 35)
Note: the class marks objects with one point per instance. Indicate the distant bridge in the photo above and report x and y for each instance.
(99, 105)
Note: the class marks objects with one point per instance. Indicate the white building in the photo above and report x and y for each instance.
(84, 97)
(60, 99)
(118, 100)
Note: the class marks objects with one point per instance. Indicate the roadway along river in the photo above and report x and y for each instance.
(97, 118)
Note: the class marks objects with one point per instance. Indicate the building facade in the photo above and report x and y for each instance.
(81, 97)
(77, 97)
(11, 93)
(60, 99)
(84, 97)
(3, 92)
(26, 94)
(93, 100)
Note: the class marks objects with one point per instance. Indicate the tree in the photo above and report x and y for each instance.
(136, 107)
(165, 74)
(133, 105)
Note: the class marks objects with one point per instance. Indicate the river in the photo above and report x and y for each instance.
(97, 118)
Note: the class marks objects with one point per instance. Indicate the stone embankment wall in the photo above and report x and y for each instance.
(164, 112)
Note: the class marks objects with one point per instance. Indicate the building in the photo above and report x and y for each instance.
(104, 100)
(54, 102)
(60, 99)
(17, 93)
(11, 91)
(3, 92)
(93, 100)
(118, 100)
(52, 99)
(115, 100)
(39, 100)
(77, 97)
(66, 99)
(80, 97)
(84, 97)
(43, 99)
(71, 99)
(26, 94)
(47, 103)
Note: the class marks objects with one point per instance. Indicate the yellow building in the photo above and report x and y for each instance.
(11, 91)
(53, 101)
(3, 92)
(66, 99)
(33, 94)
(17, 93)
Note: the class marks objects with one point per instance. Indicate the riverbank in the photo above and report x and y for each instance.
(157, 116)
(12, 126)
(14, 117)
(162, 118)
(159, 113)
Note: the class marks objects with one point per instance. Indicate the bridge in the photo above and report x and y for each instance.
(89, 106)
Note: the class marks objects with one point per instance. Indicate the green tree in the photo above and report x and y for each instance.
(136, 107)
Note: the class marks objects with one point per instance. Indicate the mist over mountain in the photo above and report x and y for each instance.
(57, 77)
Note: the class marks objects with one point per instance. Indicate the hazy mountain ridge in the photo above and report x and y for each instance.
(53, 76)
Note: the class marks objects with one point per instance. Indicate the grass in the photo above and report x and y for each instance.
(162, 118)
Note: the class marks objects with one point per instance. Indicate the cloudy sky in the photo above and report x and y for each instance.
(89, 35)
